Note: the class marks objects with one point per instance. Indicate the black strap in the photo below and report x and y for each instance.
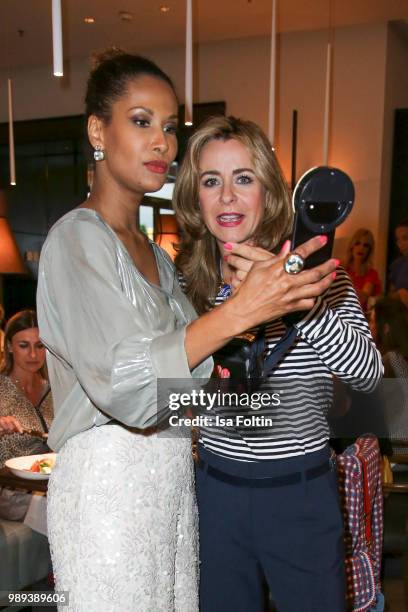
(280, 350)
(39, 413)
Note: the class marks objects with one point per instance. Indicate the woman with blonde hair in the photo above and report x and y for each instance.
(267, 495)
(198, 254)
(359, 266)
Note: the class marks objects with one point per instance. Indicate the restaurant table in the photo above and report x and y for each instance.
(8, 479)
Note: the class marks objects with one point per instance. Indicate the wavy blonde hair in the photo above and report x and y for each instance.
(198, 256)
(358, 237)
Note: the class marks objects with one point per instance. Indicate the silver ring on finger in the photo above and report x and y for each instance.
(294, 263)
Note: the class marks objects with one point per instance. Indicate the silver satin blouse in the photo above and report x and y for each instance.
(110, 333)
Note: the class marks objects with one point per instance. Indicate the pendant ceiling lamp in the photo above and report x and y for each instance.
(327, 96)
(272, 79)
(12, 157)
(327, 93)
(188, 105)
(57, 38)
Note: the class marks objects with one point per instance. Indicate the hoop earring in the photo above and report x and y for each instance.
(99, 153)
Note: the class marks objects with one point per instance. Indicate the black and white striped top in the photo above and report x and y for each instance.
(333, 339)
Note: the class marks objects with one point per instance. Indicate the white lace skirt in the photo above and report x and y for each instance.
(122, 523)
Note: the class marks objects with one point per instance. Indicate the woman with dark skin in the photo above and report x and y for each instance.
(115, 322)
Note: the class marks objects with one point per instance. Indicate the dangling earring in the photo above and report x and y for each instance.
(99, 153)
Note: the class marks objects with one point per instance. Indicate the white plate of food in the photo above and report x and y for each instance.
(32, 467)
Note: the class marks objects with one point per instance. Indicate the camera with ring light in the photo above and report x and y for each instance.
(322, 200)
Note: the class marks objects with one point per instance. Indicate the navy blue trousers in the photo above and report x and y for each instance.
(291, 535)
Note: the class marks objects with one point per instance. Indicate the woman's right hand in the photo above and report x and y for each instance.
(9, 424)
(268, 292)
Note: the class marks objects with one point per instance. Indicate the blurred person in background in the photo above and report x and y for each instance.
(398, 273)
(389, 327)
(359, 266)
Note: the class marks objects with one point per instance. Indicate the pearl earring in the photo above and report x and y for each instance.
(99, 153)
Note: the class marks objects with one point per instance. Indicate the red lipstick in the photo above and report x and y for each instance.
(156, 166)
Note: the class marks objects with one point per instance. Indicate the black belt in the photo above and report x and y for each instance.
(276, 481)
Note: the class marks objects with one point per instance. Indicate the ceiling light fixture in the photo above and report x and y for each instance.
(188, 102)
(57, 38)
(125, 16)
(272, 79)
(12, 156)
(328, 90)
(89, 19)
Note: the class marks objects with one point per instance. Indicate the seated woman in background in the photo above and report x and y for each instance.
(389, 327)
(359, 265)
(25, 399)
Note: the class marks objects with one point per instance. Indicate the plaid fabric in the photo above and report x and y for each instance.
(359, 476)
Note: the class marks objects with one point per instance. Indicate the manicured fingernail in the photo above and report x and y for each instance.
(337, 262)
(285, 245)
(225, 257)
(228, 246)
(323, 239)
(334, 274)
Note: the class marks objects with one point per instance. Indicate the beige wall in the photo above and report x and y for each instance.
(356, 112)
(396, 96)
(366, 87)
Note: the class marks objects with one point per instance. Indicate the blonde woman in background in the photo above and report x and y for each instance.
(359, 266)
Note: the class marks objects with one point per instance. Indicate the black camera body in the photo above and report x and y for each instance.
(322, 199)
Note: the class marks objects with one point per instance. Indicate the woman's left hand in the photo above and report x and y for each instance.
(241, 258)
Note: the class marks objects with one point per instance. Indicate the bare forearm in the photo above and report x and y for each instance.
(211, 331)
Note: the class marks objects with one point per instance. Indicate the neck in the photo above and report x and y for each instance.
(119, 207)
(359, 267)
(225, 269)
(26, 380)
